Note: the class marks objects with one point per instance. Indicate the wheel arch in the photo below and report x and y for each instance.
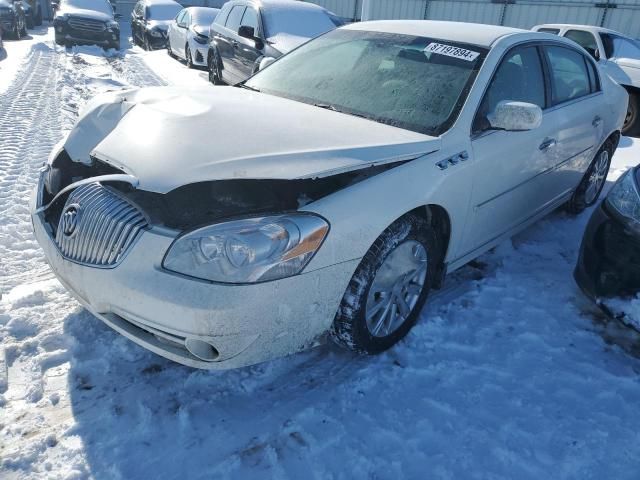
(438, 219)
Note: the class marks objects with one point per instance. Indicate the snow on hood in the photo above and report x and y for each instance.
(285, 42)
(78, 12)
(168, 137)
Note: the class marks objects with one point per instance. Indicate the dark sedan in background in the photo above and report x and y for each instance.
(249, 32)
(13, 22)
(91, 22)
(150, 22)
(609, 263)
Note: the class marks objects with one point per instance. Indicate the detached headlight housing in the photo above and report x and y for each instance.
(248, 251)
(624, 199)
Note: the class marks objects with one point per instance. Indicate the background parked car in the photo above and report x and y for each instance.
(90, 22)
(150, 21)
(188, 35)
(12, 19)
(36, 11)
(609, 263)
(248, 31)
(617, 55)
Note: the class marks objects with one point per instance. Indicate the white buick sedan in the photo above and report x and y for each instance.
(328, 194)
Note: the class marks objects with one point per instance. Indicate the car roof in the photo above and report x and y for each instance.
(590, 28)
(473, 33)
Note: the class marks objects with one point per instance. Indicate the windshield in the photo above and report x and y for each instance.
(415, 83)
(163, 11)
(97, 5)
(300, 22)
(204, 17)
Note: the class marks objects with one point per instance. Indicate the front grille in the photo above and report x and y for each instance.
(97, 226)
(86, 24)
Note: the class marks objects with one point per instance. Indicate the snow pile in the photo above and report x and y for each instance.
(510, 373)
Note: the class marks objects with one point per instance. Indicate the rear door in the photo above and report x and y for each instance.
(174, 32)
(509, 184)
(576, 105)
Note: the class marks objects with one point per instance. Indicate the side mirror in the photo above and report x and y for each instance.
(246, 31)
(594, 52)
(515, 116)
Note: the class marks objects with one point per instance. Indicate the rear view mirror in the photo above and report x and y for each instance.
(594, 52)
(515, 116)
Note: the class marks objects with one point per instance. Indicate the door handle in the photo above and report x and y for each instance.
(596, 121)
(547, 144)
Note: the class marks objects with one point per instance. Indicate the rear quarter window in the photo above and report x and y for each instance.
(569, 74)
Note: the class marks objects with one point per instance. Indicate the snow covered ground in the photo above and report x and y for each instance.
(510, 374)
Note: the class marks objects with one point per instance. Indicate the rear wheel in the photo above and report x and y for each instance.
(389, 288)
(593, 181)
(631, 126)
(169, 51)
(146, 44)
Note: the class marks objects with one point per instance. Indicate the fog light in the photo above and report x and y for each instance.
(202, 350)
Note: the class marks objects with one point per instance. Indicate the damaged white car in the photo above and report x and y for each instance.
(328, 194)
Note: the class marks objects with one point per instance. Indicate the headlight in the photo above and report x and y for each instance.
(624, 199)
(248, 251)
(154, 32)
(200, 39)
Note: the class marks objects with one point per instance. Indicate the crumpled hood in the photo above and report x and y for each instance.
(285, 42)
(168, 137)
(79, 12)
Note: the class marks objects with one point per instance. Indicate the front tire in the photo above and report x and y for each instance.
(215, 76)
(187, 56)
(593, 181)
(389, 288)
(631, 126)
(146, 44)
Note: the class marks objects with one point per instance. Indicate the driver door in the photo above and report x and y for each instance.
(510, 182)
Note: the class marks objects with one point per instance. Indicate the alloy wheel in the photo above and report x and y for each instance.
(187, 55)
(597, 177)
(396, 288)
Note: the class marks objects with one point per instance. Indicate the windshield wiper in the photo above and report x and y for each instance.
(328, 106)
(247, 87)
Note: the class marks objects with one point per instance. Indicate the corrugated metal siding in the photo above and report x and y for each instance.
(461, 11)
(400, 9)
(526, 15)
(624, 18)
(350, 9)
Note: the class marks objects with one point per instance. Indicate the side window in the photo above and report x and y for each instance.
(250, 19)
(553, 31)
(625, 48)
(519, 77)
(233, 22)
(221, 18)
(585, 39)
(569, 76)
(180, 17)
(186, 20)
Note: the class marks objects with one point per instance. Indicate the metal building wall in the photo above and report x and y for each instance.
(620, 15)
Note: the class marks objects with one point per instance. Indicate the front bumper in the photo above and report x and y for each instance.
(162, 311)
(609, 261)
(77, 36)
(157, 42)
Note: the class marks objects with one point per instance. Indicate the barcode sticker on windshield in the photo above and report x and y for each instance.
(450, 51)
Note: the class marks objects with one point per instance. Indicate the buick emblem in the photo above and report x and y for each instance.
(69, 220)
